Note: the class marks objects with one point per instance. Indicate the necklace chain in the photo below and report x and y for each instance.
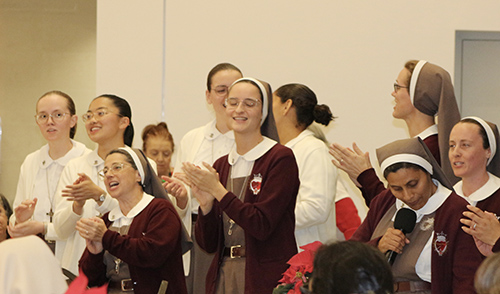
(51, 198)
(240, 195)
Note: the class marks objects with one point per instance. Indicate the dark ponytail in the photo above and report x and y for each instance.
(322, 114)
(306, 104)
(128, 136)
(124, 110)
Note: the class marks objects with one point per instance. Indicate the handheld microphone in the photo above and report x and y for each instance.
(405, 222)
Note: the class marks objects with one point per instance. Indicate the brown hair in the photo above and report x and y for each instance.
(69, 103)
(216, 69)
(159, 130)
(410, 65)
(482, 131)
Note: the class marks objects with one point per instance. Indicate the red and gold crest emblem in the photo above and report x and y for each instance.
(440, 243)
(255, 183)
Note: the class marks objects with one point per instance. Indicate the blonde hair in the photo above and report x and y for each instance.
(487, 280)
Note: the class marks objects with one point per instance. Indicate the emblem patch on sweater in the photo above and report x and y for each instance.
(440, 243)
(255, 183)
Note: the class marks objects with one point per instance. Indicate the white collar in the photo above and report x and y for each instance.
(491, 186)
(432, 130)
(254, 154)
(116, 212)
(46, 160)
(299, 138)
(94, 159)
(211, 132)
(434, 202)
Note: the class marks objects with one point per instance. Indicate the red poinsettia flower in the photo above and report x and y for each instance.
(300, 264)
(79, 286)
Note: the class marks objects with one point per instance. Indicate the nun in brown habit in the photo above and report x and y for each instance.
(432, 94)
(475, 158)
(247, 199)
(437, 249)
(138, 245)
(422, 91)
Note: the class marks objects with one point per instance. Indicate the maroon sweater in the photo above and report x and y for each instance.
(492, 204)
(371, 185)
(451, 272)
(152, 249)
(268, 220)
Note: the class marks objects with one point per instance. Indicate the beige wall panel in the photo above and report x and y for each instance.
(44, 45)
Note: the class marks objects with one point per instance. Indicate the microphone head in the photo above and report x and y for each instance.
(405, 220)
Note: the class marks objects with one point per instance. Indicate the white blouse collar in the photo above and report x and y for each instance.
(491, 186)
(253, 154)
(46, 160)
(432, 130)
(211, 132)
(116, 213)
(299, 138)
(434, 202)
(94, 159)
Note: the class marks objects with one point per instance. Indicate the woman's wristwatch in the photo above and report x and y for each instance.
(102, 197)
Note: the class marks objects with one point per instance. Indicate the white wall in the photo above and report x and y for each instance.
(129, 56)
(348, 52)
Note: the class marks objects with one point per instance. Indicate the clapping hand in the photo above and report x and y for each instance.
(483, 226)
(92, 230)
(175, 187)
(25, 210)
(352, 162)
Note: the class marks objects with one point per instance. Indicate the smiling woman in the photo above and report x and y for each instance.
(203, 144)
(254, 196)
(437, 249)
(475, 158)
(137, 245)
(80, 193)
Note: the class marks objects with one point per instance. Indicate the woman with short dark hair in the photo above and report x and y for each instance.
(5, 213)
(350, 267)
